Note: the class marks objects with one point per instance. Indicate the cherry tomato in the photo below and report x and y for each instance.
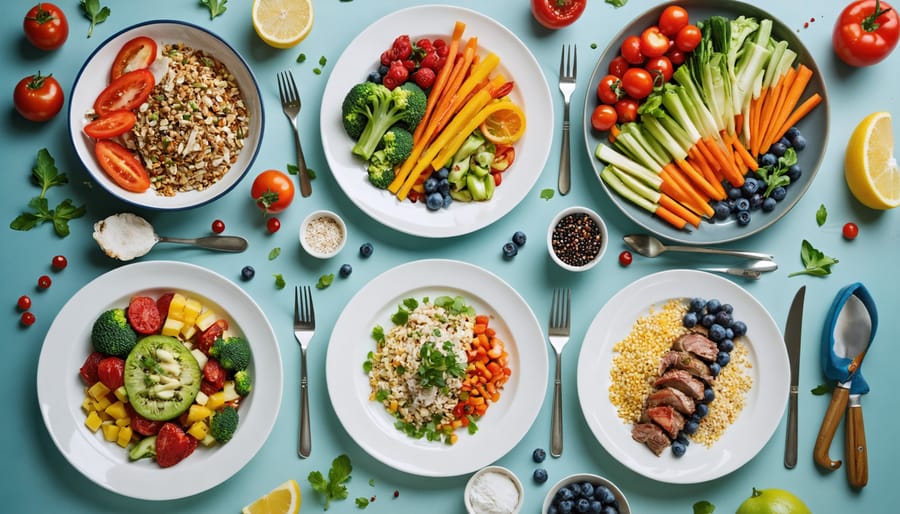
(88, 370)
(112, 125)
(673, 19)
(675, 55)
(122, 166)
(850, 231)
(144, 315)
(24, 303)
(111, 372)
(27, 319)
(653, 42)
(609, 90)
(865, 32)
(46, 26)
(638, 83)
(218, 226)
(273, 225)
(59, 262)
(125, 93)
(44, 282)
(617, 66)
(626, 110)
(625, 258)
(660, 67)
(38, 97)
(206, 338)
(554, 14)
(603, 117)
(136, 54)
(273, 191)
(688, 38)
(631, 50)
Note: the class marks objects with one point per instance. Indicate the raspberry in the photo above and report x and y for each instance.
(430, 60)
(424, 77)
(403, 46)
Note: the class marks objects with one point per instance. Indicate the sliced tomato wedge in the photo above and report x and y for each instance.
(113, 124)
(136, 54)
(125, 93)
(122, 166)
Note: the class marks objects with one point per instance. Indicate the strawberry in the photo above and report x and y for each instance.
(88, 370)
(173, 445)
(111, 371)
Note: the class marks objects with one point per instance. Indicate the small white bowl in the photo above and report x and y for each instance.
(571, 266)
(480, 475)
(323, 234)
(595, 480)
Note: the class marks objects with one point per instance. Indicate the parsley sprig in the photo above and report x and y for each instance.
(333, 488)
(216, 7)
(94, 12)
(815, 262)
(46, 175)
(775, 175)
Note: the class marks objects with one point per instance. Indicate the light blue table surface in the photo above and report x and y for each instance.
(38, 478)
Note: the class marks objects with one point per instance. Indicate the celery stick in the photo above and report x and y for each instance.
(613, 181)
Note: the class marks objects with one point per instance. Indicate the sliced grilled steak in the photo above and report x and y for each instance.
(667, 418)
(697, 344)
(683, 381)
(651, 435)
(673, 398)
(687, 362)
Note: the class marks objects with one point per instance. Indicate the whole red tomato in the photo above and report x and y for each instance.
(38, 97)
(46, 26)
(273, 191)
(555, 14)
(865, 32)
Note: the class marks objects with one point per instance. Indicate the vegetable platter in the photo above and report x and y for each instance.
(709, 228)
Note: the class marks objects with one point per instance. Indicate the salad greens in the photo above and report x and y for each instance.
(46, 176)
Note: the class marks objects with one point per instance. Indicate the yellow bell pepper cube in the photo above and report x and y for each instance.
(124, 437)
(98, 390)
(93, 421)
(110, 431)
(117, 410)
(198, 430)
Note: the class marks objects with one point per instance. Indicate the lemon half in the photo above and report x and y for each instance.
(284, 499)
(870, 166)
(282, 23)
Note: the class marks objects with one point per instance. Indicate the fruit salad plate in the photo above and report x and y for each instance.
(814, 127)
(61, 390)
(531, 93)
(764, 403)
(367, 421)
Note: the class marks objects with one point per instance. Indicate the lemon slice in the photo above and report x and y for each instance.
(505, 125)
(284, 499)
(282, 23)
(870, 166)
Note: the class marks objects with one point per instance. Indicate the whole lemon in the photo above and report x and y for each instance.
(772, 501)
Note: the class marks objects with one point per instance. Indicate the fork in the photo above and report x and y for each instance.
(304, 328)
(568, 69)
(559, 335)
(290, 103)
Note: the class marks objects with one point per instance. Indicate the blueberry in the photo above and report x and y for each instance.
(519, 238)
(566, 506)
(768, 204)
(690, 427)
(778, 149)
(742, 204)
(683, 438)
(538, 455)
(576, 490)
(447, 201)
(723, 358)
(583, 505)
(247, 272)
(722, 210)
(707, 320)
(716, 332)
(723, 318)
(604, 494)
(726, 345)
(799, 143)
(596, 507)
(794, 172)
(443, 173)
(709, 394)
(565, 493)
(778, 193)
(734, 193)
(713, 306)
(756, 201)
(750, 186)
(785, 141)
(553, 509)
(689, 320)
(702, 410)
(587, 489)
(540, 475)
(444, 187)
(697, 304)
(510, 250)
(792, 133)
(366, 249)
(768, 159)
(714, 369)
(729, 333)
(383, 70)
(739, 327)
(609, 509)
(430, 185)
(743, 218)
(678, 449)
(374, 77)
(727, 307)
(345, 270)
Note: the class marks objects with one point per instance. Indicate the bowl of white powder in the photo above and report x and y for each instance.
(494, 490)
(323, 234)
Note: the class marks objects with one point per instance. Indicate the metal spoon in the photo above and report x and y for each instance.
(221, 243)
(649, 246)
(752, 271)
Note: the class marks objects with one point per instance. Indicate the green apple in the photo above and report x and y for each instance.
(772, 501)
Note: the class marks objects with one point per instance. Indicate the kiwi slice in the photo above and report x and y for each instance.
(162, 378)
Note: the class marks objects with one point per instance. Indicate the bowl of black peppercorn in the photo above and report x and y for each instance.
(576, 238)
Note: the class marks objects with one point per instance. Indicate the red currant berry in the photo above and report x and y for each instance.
(218, 226)
(24, 303)
(625, 258)
(851, 230)
(27, 319)
(44, 282)
(59, 262)
(273, 225)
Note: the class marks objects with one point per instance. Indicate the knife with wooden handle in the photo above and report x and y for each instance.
(792, 341)
(856, 452)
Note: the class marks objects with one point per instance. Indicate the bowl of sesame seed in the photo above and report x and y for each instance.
(323, 234)
(576, 238)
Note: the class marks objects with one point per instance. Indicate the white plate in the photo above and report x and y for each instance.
(61, 390)
(764, 404)
(372, 427)
(516, 63)
(94, 77)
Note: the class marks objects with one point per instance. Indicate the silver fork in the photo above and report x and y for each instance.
(559, 335)
(290, 103)
(304, 328)
(568, 69)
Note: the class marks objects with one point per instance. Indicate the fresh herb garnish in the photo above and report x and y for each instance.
(820, 389)
(704, 507)
(46, 176)
(274, 253)
(435, 366)
(378, 333)
(815, 262)
(279, 281)
(775, 175)
(325, 281)
(94, 12)
(821, 215)
(301, 58)
(216, 7)
(617, 3)
(293, 170)
(547, 194)
(362, 502)
(333, 488)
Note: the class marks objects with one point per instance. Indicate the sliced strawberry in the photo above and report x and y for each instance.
(88, 370)
(144, 426)
(111, 371)
(173, 445)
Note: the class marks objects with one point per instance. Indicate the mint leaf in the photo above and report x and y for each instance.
(279, 281)
(325, 281)
(821, 215)
(45, 173)
(95, 13)
(216, 7)
(815, 262)
(547, 194)
(820, 389)
(274, 253)
(333, 488)
(704, 507)
(362, 502)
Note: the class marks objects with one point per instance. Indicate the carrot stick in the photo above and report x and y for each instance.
(670, 217)
(670, 188)
(613, 133)
(443, 75)
(728, 170)
(756, 105)
(774, 100)
(697, 178)
(679, 210)
(696, 158)
(791, 97)
(697, 200)
(478, 74)
(808, 105)
(708, 156)
(468, 112)
(745, 156)
(460, 69)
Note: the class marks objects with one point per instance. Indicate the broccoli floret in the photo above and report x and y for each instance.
(381, 172)
(384, 108)
(233, 353)
(355, 110)
(223, 424)
(396, 144)
(112, 335)
(242, 382)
